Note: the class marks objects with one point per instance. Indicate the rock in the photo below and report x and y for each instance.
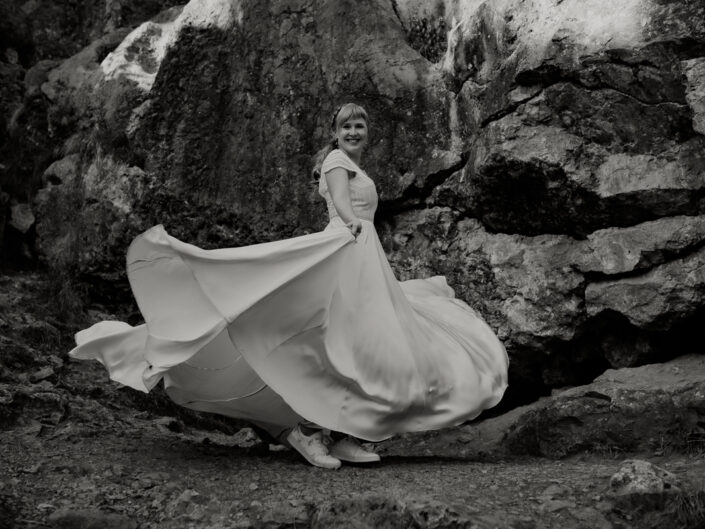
(589, 517)
(41, 374)
(21, 217)
(189, 504)
(68, 518)
(654, 497)
(620, 250)
(245, 438)
(543, 179)
(638, 477)
(624, 410)
(38, 334)
(656, 299)
(39, 401)
(694, 70)
(37, 75)
(539, 293)
(62, 28)
(62, 171)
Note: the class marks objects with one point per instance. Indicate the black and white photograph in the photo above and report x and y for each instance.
(356, 264)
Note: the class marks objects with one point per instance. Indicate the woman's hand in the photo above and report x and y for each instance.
(355, 226)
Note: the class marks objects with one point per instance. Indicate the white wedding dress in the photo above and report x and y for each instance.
(314, 328)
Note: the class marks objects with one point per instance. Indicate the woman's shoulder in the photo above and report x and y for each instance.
(337, 158)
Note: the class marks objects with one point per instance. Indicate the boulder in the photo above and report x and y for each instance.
(636, 477)
(614, 251)
(627, 410)
(21, 218)
(540, 293)
(656, 299)
(651, 496)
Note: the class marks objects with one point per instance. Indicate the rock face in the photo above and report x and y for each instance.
(653, 408)
(36, 38)
(548, 157)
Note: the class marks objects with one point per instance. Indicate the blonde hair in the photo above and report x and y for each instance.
(344, 113)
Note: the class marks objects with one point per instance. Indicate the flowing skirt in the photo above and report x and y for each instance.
(312, 328)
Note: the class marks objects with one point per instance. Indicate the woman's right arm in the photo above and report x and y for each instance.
(338, 187)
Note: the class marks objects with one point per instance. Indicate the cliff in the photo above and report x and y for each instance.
(546, 156)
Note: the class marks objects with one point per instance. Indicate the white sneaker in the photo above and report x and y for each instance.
(349, 449)
(312, 448)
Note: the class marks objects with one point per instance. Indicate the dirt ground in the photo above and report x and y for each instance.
(78, 451)
(142, 470)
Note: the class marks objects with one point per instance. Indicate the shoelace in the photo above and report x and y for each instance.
(318, 448)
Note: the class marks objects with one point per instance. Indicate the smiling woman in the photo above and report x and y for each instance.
(305, 334)
(350, 134)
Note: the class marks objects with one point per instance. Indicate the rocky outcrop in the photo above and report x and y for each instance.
(546, 156)
(653, 408)
(56, 30)
(655, 496)
(36, 38)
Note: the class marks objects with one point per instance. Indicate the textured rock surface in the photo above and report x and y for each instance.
(655, 495)
(642, 477)
(58, 29)
(548, 157)
(650, 408)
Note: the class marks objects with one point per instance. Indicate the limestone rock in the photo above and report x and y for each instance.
(655, 299)
(37, 36)
(617, 251)
(59, 29)
(523, 285)
(547, 178)
(628, 410)
(636, 476)
(538, 292)
(694, 70)
(654, 494)
(21, 217)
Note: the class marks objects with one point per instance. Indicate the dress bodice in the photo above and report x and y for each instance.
(363, 193)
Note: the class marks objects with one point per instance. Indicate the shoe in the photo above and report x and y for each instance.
(349, 450)
(312, 448)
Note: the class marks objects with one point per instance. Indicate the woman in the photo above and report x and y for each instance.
(305, 333)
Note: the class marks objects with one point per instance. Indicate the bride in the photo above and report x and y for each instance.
(306, 335)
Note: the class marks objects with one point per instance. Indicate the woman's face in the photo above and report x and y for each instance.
(352, 136)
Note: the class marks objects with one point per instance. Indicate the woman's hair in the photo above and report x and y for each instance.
(344, 113)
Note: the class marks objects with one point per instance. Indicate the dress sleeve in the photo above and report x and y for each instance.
(337, 159)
